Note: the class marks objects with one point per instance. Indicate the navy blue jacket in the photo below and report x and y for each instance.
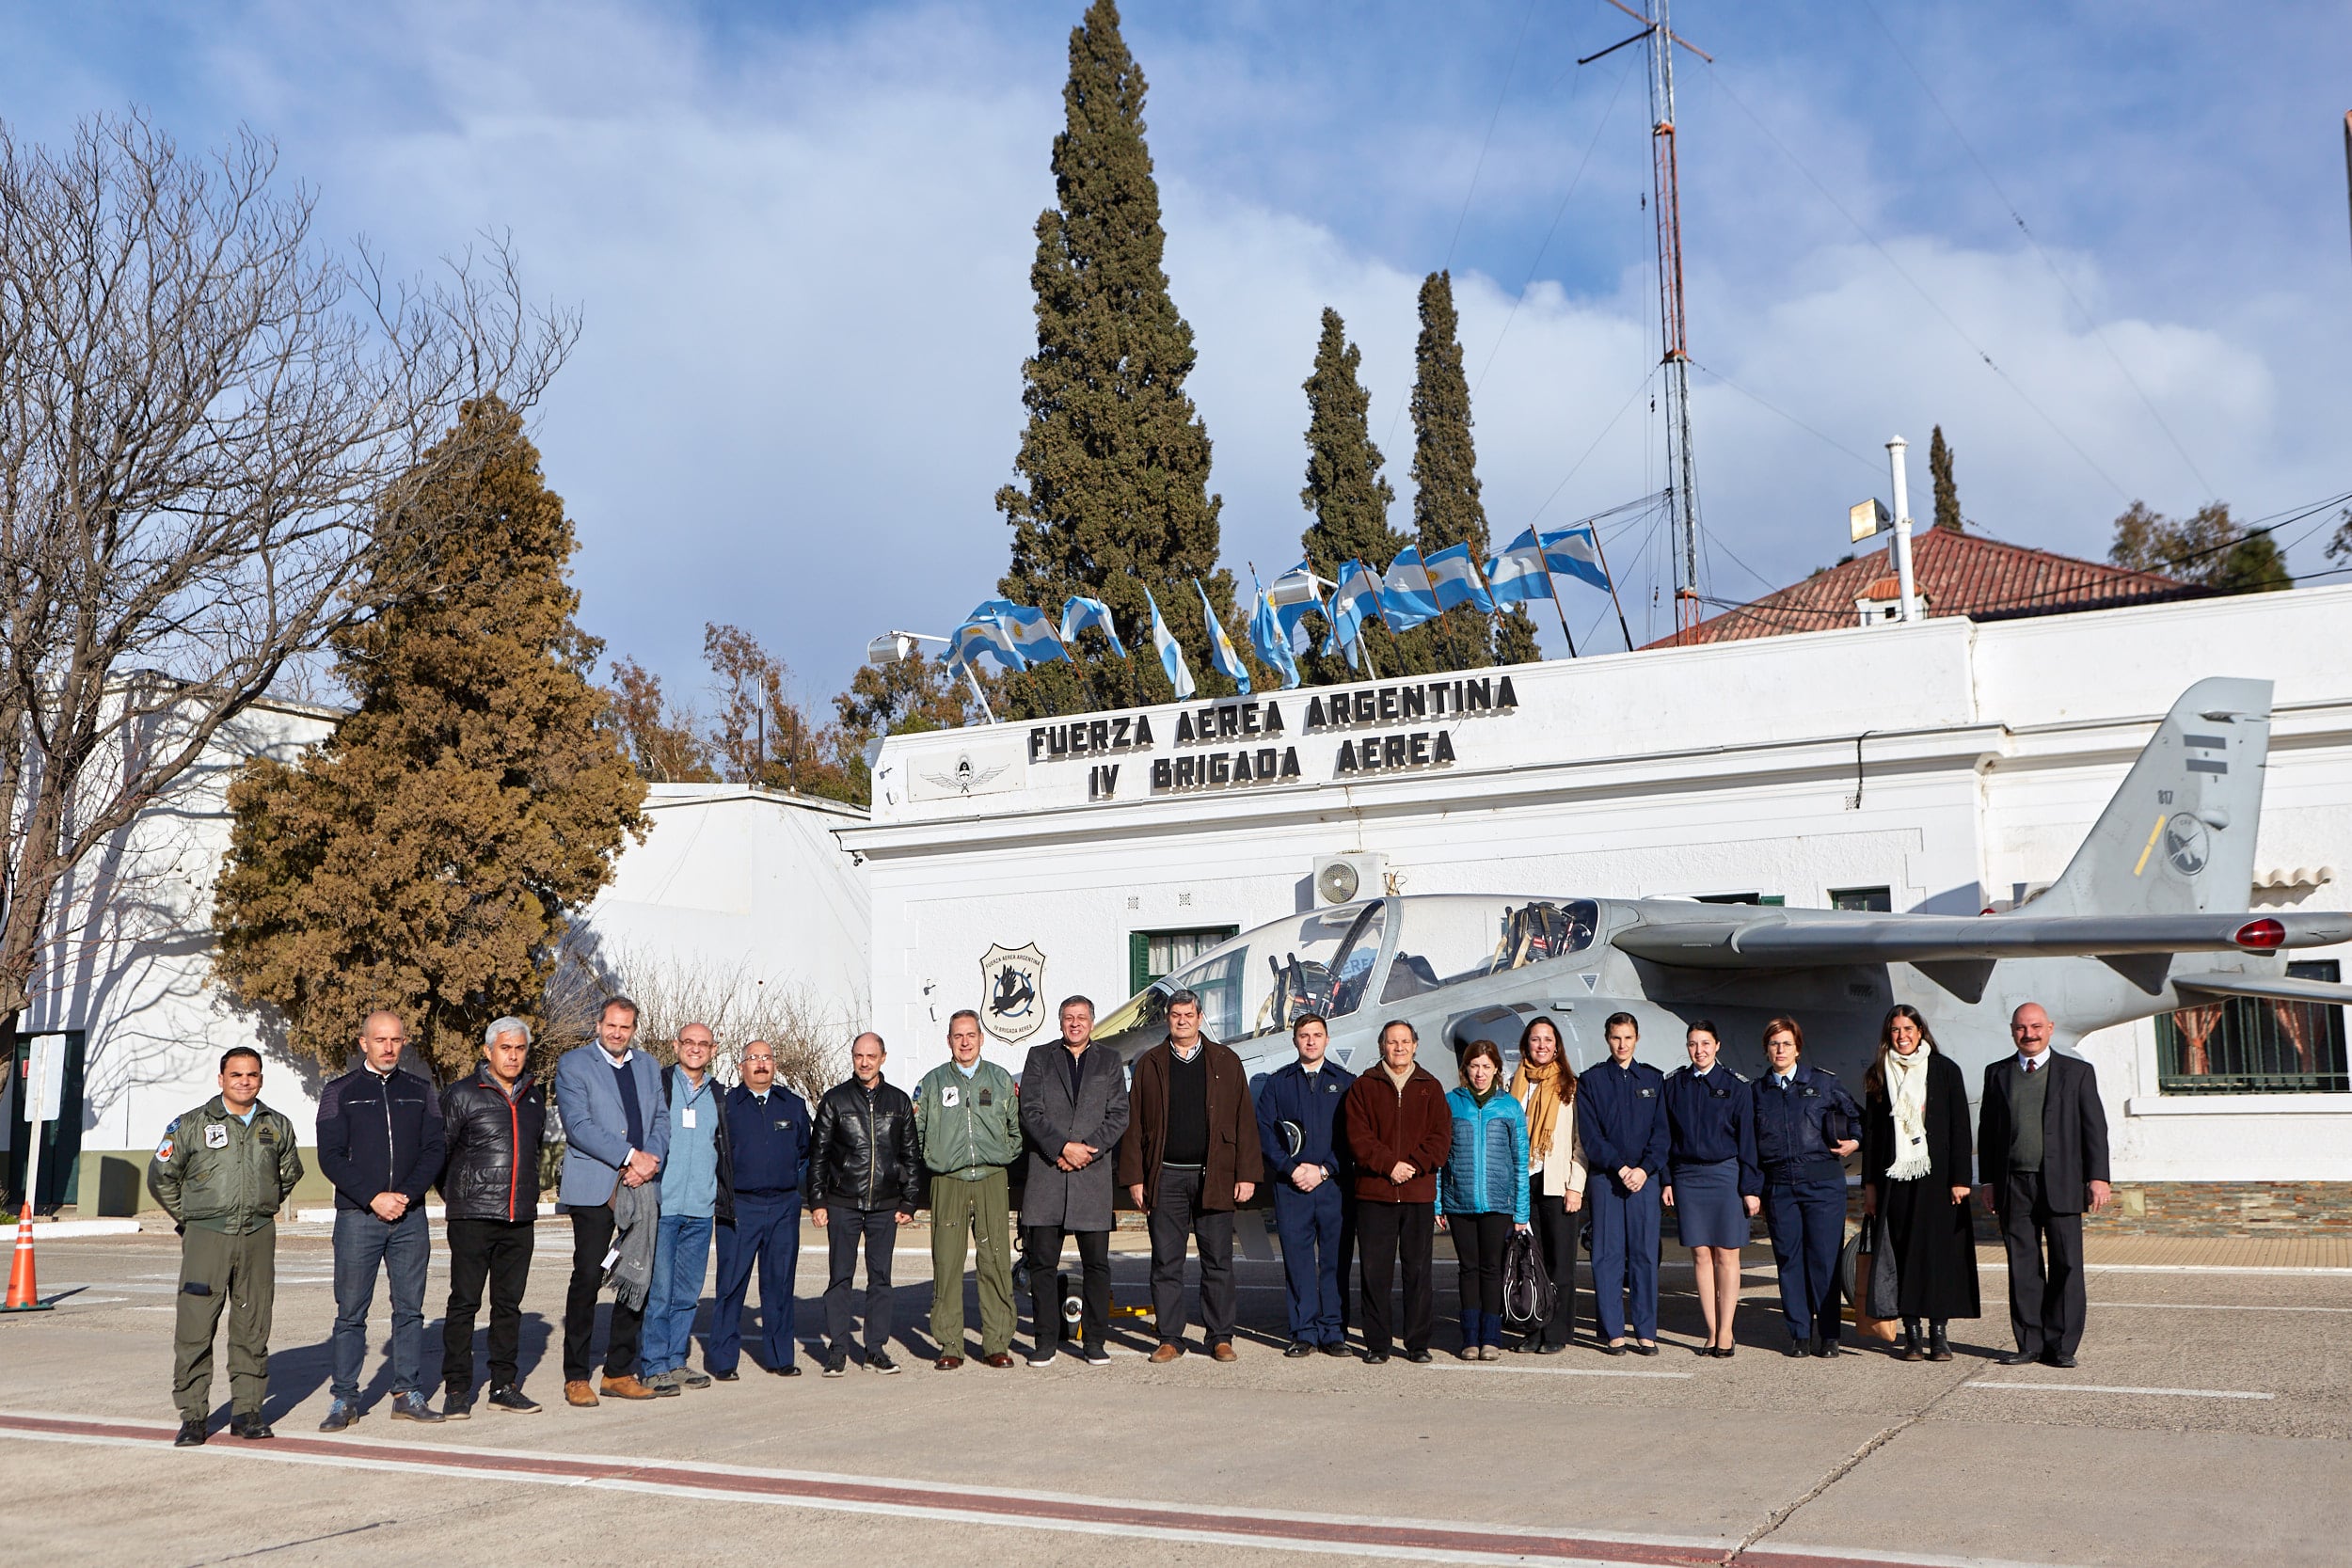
(1312, 1102)
(1621, 1117)
(1712, 1119)
(1796, 1127)
(380, 1135)
(767, 1146)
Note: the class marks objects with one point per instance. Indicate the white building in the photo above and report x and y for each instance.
(1944, 766)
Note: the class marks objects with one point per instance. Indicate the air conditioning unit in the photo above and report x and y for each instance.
(1344, 879)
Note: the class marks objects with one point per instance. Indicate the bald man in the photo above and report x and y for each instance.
(2042, 1153)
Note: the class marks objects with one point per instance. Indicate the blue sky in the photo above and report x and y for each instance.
(800, 237)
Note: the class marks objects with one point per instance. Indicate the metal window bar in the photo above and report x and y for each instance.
(2252, 1045)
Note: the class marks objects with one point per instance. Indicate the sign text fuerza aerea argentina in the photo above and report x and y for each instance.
(1375, 707)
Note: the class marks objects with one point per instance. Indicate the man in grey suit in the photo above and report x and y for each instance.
(1073, 1108)
(616, 1130)
(2042, 1153)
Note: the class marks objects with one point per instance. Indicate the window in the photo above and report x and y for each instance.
(1153, 953)
(2256, 1045)
(1874, 900)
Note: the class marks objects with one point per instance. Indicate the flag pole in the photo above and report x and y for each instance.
(1555, 596)
(1371, 672)
(1612, 585)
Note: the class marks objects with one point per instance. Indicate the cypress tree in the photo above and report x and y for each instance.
(426, 856)
(1346, 491)
(1447, 508)
(1115, 459)
(1946, 489)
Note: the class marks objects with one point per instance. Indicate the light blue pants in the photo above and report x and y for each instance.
(681, 1251)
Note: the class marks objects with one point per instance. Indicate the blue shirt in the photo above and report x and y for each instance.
(1621, 1117)
(1710, 1117)
(690, 1173)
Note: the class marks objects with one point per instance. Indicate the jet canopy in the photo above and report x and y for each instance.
(1354, 958)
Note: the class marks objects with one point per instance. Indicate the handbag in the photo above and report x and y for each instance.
(1528, 1294)
(1875, 1289)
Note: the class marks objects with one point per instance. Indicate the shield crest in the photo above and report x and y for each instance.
(1012, 982)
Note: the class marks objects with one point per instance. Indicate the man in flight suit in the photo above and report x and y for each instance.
(222, 1173)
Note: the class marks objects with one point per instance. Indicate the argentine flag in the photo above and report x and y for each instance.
(1032, 634)
(1574, 552)
(1082, 612)
(1222, 659)
(1454, 577)
(1407, 598)
(1356, 600)
(984, 635)
(1292, 594)
(1271, 643)
(1519, 573)
(1171, 656)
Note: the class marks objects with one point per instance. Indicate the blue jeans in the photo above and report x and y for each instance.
(681, 1248)
(402, 1249)
(1309, 1224)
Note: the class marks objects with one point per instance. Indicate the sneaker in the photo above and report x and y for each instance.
(457, 1404)
(413, 1406)
(1097, 1357)
(510, 1398)
(342, 1415)
(880, 1362)
(691, 1378)
(1041, 1356)
(664, 1384)
(837, 1365)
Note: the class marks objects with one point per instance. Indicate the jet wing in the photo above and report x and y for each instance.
(2275, 987)
(1780, 942)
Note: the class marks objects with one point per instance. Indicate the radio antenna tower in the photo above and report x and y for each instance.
(1681, 487)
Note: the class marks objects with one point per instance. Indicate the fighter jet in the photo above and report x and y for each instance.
(2149, 916)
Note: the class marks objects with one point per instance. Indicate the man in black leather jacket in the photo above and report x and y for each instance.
(494, 1122)
(865, 1180)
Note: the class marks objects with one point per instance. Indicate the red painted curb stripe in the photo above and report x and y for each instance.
(1299, 1532)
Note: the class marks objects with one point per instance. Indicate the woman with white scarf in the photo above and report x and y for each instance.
(1916, 1165)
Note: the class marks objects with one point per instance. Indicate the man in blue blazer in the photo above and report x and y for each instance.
(616, 1130)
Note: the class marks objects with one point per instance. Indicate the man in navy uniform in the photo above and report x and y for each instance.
(1300, 1131)
(767, 1161)
(1621, 1116)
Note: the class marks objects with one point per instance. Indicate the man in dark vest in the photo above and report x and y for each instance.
(2041, 1151)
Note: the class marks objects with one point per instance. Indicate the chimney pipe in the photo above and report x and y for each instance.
(1894, 450)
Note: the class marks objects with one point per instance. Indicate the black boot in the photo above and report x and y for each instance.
(1939, 1348)
(1911, 1341)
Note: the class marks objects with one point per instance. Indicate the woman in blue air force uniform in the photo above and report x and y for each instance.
(1806, 1123)
(1712, 1182)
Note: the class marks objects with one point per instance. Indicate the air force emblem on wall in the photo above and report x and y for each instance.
(1013, 981)
(967, 776)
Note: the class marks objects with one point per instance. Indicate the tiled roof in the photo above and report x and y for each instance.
(1957, 573)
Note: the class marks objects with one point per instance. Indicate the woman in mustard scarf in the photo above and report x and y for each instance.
(1546, 1090)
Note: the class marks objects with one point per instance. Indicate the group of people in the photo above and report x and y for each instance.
(662, 1162)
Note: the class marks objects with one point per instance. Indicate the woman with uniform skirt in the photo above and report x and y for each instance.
(1546, 1090)
(1713, 1181)
(1915, 1173)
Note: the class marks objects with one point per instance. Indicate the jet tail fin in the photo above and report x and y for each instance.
(2178, 837)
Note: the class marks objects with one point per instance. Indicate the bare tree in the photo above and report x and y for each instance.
(214, 434)
(810, 1036)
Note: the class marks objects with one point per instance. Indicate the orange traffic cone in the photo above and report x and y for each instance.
(23, 1292)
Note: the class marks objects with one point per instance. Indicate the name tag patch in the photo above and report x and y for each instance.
(686, 1118)
(215, 1135)
(988, 1097)
(1645, 1093)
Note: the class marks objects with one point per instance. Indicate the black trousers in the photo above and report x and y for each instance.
(496, 1253)
(1176, 1216)
(1555, 1243)
(2046, 1306)
(844, 1228)
(1041, 1250)
(592, 1238)
(1480, 1241)
(1383, 1233)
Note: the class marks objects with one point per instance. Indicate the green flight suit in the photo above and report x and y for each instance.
(222, 1180)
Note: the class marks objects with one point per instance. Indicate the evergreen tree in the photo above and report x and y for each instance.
(1447, 508)
(2208, 547)
(1345, 492)
(426, 856)
(1946, 488)
(1114, 458)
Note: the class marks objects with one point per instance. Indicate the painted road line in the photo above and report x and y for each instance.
(1405, 1540)
(1554, 1371)
(2208, 1306)
(2109, 1389)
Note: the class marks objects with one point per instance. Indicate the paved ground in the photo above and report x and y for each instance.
(2210, 1419)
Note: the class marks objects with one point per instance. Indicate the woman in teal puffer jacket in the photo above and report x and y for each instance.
(1481, 1194)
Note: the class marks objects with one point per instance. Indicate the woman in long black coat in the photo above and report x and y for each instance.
(1916, 1157)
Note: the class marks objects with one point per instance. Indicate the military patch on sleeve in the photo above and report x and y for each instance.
(163, 1150)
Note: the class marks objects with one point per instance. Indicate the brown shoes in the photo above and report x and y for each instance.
(948, 1363)
(1166, 1354)
(1223, 1351)
(578, 1393)
(627, 1386)
(1000, 1360)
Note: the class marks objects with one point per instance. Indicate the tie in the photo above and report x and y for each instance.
(2033, 1066)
